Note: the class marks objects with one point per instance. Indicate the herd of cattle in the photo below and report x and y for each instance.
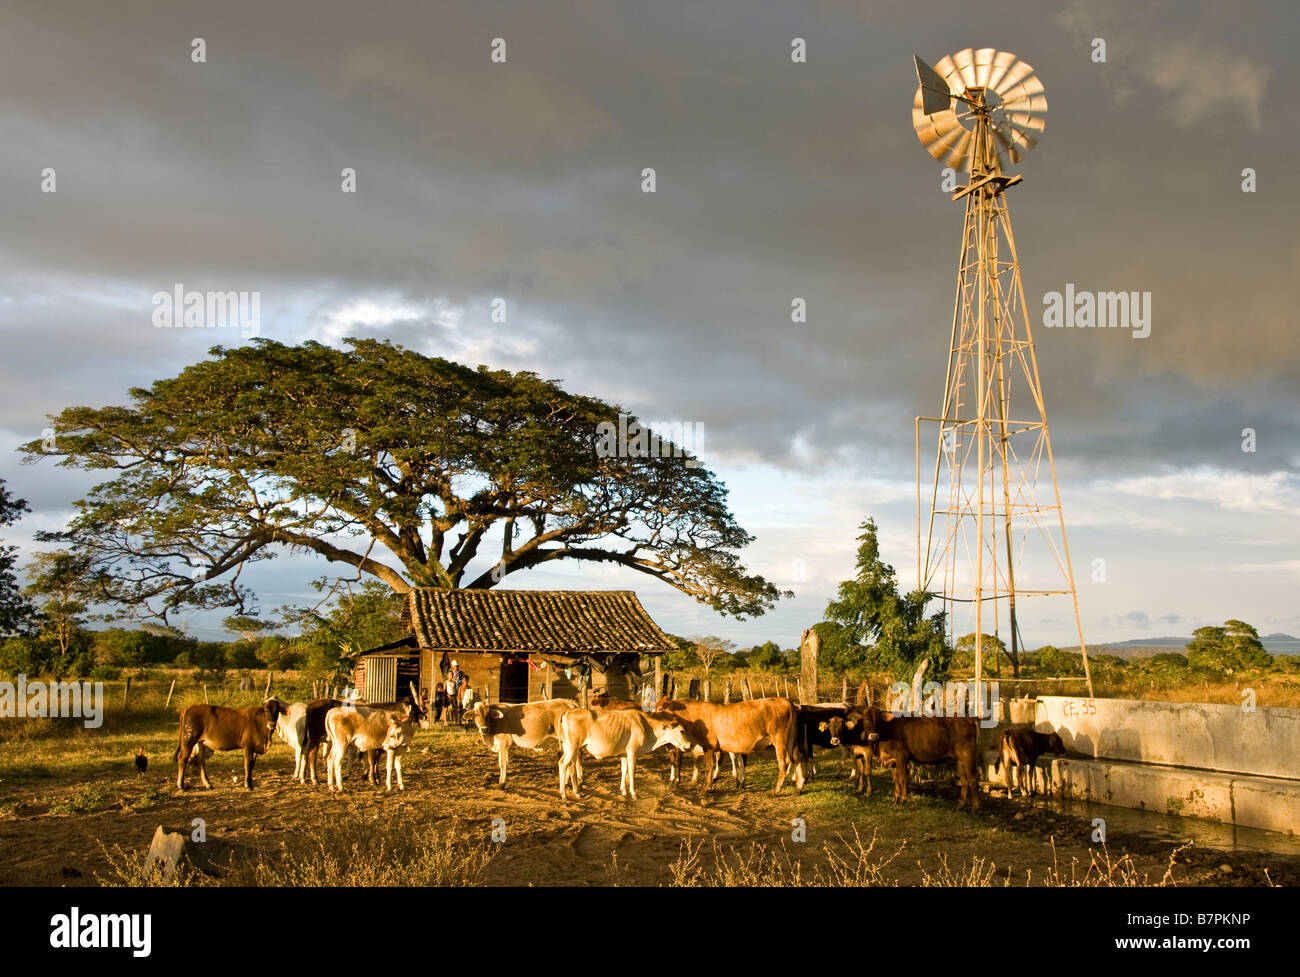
(703, 730)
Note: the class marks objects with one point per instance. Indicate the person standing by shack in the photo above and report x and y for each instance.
(457, 680)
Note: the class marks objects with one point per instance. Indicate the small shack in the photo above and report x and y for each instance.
(518, 645)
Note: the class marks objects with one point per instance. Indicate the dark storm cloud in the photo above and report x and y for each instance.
(775, 180)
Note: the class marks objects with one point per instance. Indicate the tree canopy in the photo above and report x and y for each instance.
(1227, 649)
(399, 466)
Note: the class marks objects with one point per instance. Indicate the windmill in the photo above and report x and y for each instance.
(976, 111)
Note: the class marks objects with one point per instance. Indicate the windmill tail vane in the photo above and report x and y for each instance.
(984, 537)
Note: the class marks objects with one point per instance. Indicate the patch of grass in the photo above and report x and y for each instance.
(84, 798)
(150, 797)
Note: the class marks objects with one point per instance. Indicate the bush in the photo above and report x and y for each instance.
(105, 673)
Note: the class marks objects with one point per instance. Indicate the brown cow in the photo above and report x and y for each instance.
(224, 729)
(924, 739)
(742, 728)
(1020, 748)
(316, 735)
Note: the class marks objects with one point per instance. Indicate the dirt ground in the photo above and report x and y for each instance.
(599, 840)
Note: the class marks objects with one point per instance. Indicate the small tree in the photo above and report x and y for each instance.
(249, 628)
(59, 583)
(765, 657)
(711, 651)
(880, 628)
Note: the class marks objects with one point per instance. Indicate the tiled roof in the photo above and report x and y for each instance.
(560, 621)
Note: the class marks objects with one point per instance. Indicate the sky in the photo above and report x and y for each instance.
(775, 180)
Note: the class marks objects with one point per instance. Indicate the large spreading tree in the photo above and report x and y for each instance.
(414, 470)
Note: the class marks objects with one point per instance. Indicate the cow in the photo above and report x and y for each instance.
(815, 730)
(291, 727)
(627, 733)
(316, 736)
(371, 728)
(924, 739)
(530, 725)
(223, 729)
(741, 728)
(1021, 747)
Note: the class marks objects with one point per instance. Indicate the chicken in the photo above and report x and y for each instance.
(141, 762)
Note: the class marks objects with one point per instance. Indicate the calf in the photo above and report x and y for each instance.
(894, 757)
(923, 739)
(223, 729)
(601, 700)
(1020, 748)
(815, 730)
(370, 728)
(742, 728)
(530, 725)
(628, 733)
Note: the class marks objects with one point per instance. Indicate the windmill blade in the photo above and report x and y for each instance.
(1001, 62)
(945, 111)
(1023, 120)
(1006, 145)
(965, 62)
(936, 96)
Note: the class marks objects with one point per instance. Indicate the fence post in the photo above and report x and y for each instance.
(267, 693)
(844, 693)
(726, 692)
(746, 689)
(205, 691)
(169, 694)
(708, 690)
(810, 646)
(126, 691)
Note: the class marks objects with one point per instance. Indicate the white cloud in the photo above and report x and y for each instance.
(1275, 492)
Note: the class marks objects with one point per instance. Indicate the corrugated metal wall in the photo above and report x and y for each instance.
(380, 679)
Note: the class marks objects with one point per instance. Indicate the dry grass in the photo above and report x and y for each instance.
(845, 863)
(383, 852)
(379, 852)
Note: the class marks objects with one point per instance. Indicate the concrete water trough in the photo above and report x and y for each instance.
(1218, 762)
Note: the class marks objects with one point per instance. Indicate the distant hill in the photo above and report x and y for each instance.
(1274, 644)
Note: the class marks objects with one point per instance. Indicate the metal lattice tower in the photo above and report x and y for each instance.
(973, 111)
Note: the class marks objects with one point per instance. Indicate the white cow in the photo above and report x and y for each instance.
(528, 724)
(628, 733)
(291, 727)
(368, 728)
